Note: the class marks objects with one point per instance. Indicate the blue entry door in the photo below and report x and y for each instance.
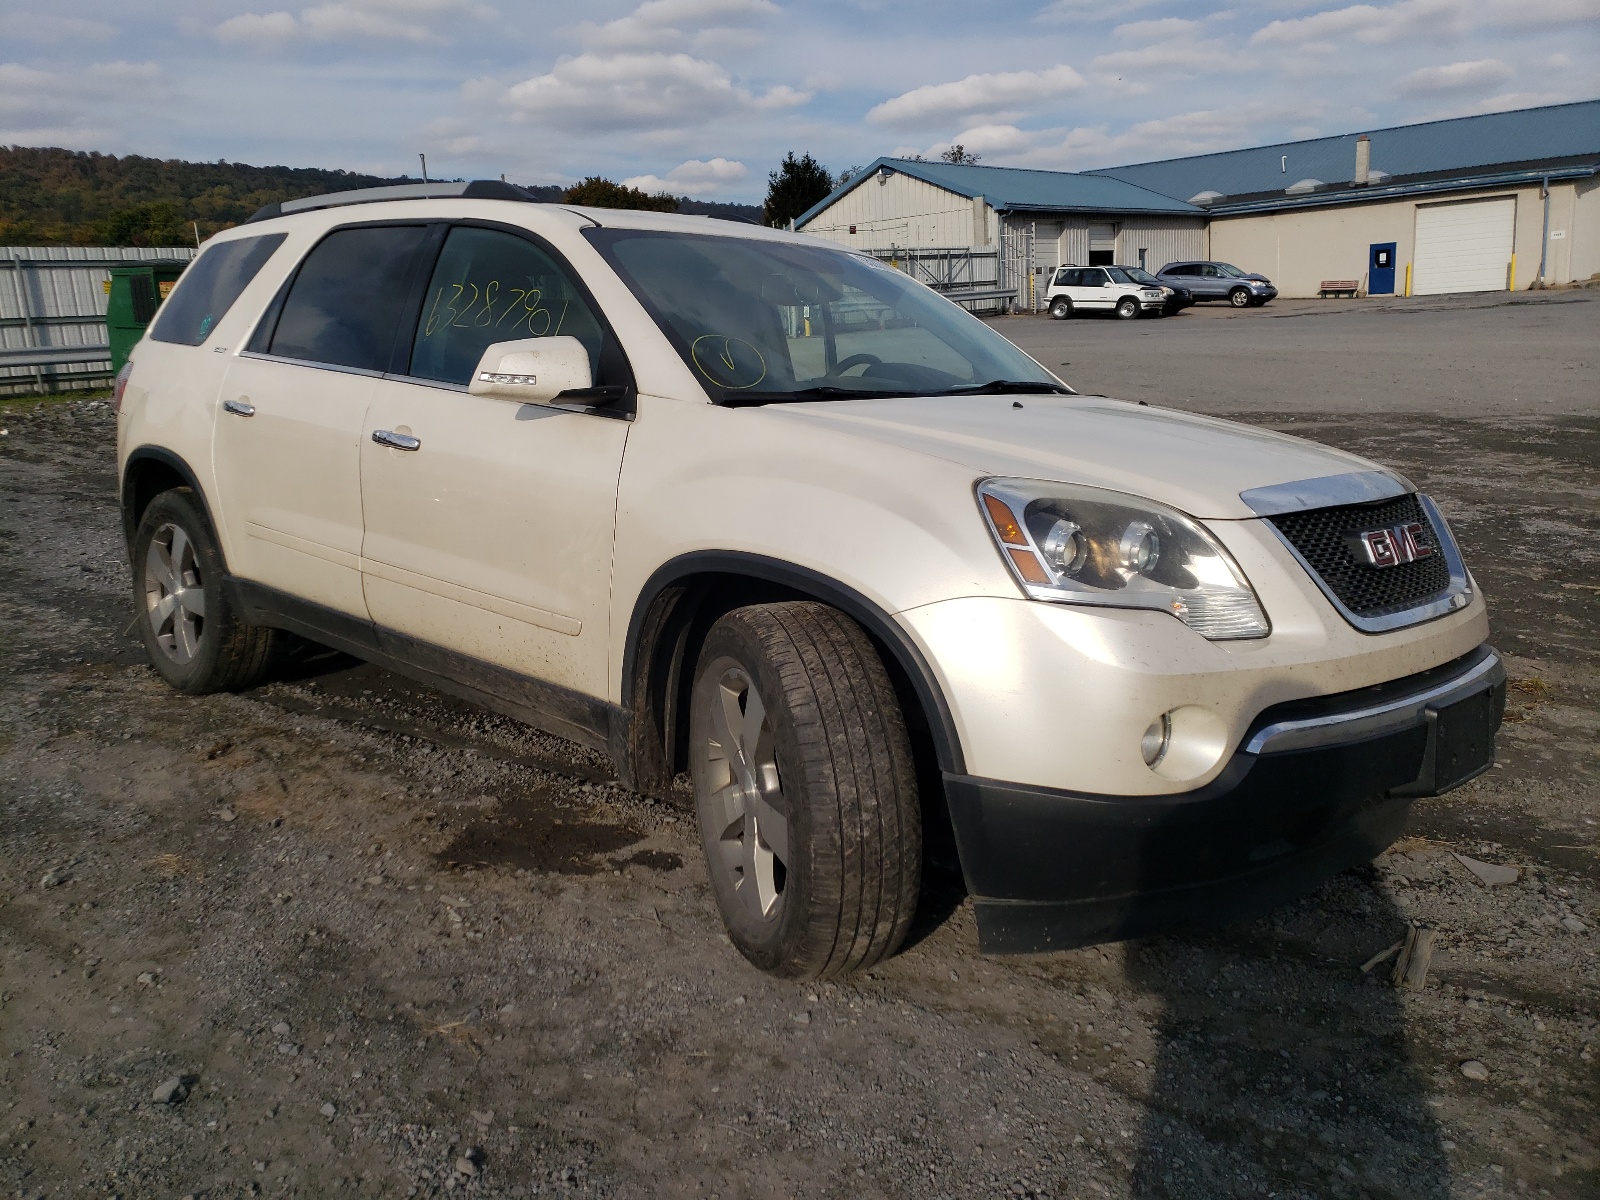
(1380, 269)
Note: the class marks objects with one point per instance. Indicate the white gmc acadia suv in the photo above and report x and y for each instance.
(737, 502)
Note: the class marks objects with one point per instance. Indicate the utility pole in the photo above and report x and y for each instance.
(424, 159)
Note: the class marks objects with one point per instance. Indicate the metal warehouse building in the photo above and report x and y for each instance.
(1503, 200)
(926, 215)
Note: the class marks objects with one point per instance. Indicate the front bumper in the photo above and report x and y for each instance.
(1264, 294)
(1316, 786)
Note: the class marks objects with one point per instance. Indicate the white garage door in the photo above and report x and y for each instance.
(1463, 247)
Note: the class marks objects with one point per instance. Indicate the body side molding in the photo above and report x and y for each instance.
(559, 711)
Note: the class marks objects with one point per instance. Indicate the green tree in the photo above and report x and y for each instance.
(958, 154)
(157, 224)
(595, 192)
(795, 186)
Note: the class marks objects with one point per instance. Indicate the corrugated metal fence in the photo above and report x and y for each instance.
(53, 313)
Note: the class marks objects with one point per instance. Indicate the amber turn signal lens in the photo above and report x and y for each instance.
(1005, 522)
(1028, 566)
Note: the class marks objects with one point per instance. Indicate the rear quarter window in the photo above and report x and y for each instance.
(207, 290)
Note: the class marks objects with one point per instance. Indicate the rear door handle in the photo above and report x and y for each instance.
(240, 407)
(396, 441)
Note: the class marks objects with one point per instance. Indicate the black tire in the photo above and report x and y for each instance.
(220, 653)
(1127, 308)
(830, 756)
(1239, 297)
(1060, 308)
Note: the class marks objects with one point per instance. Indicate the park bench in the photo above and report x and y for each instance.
(1338, 286)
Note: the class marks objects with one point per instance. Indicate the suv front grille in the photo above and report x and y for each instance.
(1320, 537)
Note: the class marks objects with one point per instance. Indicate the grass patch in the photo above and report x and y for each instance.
(23, 404)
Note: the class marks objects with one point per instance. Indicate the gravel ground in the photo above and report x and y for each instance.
(342, 935)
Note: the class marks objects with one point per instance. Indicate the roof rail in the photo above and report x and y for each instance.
(477, 189)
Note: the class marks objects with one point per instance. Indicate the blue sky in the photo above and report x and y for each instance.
(704, 96)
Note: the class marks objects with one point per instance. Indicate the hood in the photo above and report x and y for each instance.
(1257, 278)
(1193, 463)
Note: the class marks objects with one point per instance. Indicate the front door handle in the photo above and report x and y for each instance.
(396, 441)
(240, 407)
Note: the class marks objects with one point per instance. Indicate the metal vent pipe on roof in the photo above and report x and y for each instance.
(1363, 160)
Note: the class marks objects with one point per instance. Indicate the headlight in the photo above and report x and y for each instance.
(1085, 545)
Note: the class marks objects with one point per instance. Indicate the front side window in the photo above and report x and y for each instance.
(1229, 271)
(761, 321)
(489, 287)
(344, 306)
(210, 285)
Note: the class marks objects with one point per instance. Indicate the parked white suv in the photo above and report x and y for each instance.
(1126, 291)
(737, 502)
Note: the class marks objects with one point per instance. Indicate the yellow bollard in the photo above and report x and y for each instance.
(1408, 281)
(1511, 274)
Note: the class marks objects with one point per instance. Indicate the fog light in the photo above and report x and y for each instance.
(1184, 743)
(1156, 740)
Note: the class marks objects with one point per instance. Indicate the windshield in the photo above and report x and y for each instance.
(1132, 275)
(762, 321)
(1230, 270)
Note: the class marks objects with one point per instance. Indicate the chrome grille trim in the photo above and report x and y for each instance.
(1328, 491)
(1456, 596)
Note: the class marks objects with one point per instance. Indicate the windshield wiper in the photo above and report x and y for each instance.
(1006, 387)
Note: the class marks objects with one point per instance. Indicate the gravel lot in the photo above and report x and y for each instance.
(342, 935)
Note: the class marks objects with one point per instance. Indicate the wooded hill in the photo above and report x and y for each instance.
(50, 196)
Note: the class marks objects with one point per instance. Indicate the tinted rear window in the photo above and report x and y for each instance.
(208, 288)
(344, 306)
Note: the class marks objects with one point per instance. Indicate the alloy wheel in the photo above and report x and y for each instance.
(746, 801)
(174, 593)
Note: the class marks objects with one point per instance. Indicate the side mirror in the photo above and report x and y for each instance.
(532, 371)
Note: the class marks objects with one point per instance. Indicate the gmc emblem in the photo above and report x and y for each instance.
(1393, 546)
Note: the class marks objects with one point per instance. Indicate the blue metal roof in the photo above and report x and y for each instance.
(1463, 145)
(1018, 189)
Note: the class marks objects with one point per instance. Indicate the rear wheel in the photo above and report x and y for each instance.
(1127, 308)
(1239, 297)
(805, 790)
(195, 640)
(1060, 308)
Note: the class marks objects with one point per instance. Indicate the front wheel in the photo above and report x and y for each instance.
(1127, 308)
(805, 791)
(1239, 297)
(195, 640)
(1060, 308)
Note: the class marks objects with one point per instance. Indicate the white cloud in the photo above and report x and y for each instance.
(1429, 21)
(382, 20)
(1074, 11)
(1197, 132)
(1182, 56)
(1479, 74)
(44, 27)
(978, 95)
(639, 92)
(1367, 23)
(692, 178)
(658, 22)
(71, 108)
(1157, 30)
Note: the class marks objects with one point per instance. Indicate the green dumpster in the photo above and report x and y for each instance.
(132, 297)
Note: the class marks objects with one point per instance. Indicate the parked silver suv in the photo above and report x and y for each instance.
(1219, 281)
